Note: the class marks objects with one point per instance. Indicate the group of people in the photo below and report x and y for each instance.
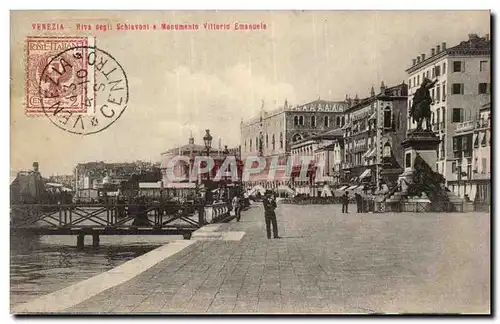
(359, 202)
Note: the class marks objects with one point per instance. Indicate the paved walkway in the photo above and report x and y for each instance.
(326, 262)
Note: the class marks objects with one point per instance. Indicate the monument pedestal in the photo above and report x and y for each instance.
(418, 143)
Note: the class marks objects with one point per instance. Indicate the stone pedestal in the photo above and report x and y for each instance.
(423, 143)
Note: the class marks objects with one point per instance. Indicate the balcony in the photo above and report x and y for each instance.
(481, 123)
(466, 126)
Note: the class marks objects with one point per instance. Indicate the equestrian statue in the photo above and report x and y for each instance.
(421, 107)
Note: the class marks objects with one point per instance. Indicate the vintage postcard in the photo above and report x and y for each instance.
(249, 162)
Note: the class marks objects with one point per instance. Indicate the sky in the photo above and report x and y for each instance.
(188, 81)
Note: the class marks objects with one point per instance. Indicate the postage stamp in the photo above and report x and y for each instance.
(39, 51)
(89, 79)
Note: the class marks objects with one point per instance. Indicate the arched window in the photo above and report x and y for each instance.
(273, 142)
(295, 120)
(326, 121)
(387, 117)
(281, 140)
(313, 121)
(387, 150)
(338, 120)
(343, 120)
(296, 137)
(250, 145)
(301, 120)
(267, 141)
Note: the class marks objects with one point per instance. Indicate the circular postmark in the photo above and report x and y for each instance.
(83, 90)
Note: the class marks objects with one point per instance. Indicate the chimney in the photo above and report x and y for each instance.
(487, 37)
(438, 49)
(423, 57)
(443, 46)
(356, 99)
(433, 51)
(35, 167)
(418, 59)
(372, 91)
(414, 61)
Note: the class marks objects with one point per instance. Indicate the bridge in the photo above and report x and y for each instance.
(115, 219)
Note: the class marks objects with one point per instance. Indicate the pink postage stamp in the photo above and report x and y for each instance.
(39, 53)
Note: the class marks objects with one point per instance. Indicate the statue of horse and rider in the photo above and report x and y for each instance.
(421, 107)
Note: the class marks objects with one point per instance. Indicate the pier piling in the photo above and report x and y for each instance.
(95, 240)
(80, 240)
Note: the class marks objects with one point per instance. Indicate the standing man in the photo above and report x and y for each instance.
(345, 202)
(237, 207)
(270, 215)
(359, 202)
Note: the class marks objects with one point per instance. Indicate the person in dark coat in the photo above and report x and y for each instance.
(359, 202)
(345, 202)
(270, 215)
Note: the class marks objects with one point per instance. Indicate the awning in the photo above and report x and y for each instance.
(365, 173)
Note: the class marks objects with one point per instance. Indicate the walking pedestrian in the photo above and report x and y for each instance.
(237, 207)
(345, 202)
(270, 215)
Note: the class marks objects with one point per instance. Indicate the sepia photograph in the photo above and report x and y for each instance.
(250, 162)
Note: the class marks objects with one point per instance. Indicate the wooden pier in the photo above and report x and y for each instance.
(113, 219)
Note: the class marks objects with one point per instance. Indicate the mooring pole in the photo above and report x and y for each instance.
(95, 240)
(80, 240)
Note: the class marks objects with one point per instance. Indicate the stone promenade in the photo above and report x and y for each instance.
(326, 262)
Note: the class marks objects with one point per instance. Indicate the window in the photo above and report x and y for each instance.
(432, 118)
(433, 73)
(457, 66)
(387, 150)
(483, 165)
(483, 66)
(409, 83)
(458, 115)
(326, 121)
(408, 160)
(443, 115)
(438, 115)
(273, 143)
(343, 120)
(423, 76)
(438, 93)
(281, 140)
(457, 143)
(267, 141)
(432, 94)
(418, 79)
(438, 70)
(444, 91)
(313, 121)
(444, 67)
(250, 145)
(454, 167)
(338, 121)
(301, 120)
(257, 144)
(387, 117)
(483, 88)
(457, 88)
(443, 144)
(295, 120)
(414, 82)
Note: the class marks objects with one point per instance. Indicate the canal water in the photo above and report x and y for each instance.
(40, 265)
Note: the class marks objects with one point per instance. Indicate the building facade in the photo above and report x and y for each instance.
(463, 84)
(274, 132)
(372, 134)
(471, 168)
